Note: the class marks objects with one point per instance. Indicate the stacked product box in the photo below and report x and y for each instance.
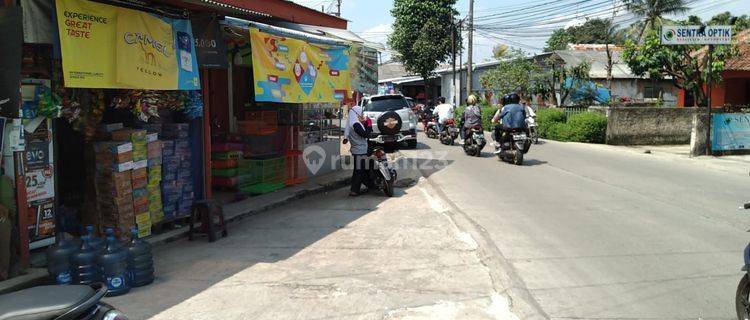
(177, 176)
(139, 177)
(170, 164)
(114, 164)
(155, 205)
(225, 165)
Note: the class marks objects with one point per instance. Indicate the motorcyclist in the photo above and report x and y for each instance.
(471, 117)
(444, 111)
(513, 116)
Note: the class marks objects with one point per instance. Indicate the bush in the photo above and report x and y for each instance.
(546, 119)
(589, 127)
(559, 131)
(487, 113)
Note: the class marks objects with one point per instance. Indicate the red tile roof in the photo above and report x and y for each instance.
(741, 62)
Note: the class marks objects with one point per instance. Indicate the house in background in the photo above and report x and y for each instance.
(393, 78)
(457, 94)
(734, 89)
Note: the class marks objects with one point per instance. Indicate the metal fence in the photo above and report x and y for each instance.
(573, 111)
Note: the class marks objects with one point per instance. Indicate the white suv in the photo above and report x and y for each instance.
(393, 120)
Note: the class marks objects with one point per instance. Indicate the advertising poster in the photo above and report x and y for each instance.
(209, 42)
(731, 131)
(41, 217)
(105, 46)
(295, 71)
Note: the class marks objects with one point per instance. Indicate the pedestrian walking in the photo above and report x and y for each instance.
(358, 130)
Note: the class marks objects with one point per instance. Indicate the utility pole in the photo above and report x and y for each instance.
(469, 66)
(453, 59)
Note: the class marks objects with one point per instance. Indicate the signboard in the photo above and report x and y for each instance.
(41, 218)
(104, 46)
(295, 71)
(40, 184)
(10, 60)
(731, 131)
(686, 35)
(209, 42)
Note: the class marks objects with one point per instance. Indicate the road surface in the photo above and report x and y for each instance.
(593, 232)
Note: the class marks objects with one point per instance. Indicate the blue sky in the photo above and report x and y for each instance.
(372, 19)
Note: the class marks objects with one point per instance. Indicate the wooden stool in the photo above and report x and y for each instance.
(206, 211)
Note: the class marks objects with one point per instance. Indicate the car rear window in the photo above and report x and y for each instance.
(380, 104)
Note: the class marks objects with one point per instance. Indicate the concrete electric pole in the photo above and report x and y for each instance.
(469, 65)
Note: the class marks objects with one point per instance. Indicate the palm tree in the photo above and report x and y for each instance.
(652, 11)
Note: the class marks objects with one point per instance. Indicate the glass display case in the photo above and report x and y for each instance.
(321, 122)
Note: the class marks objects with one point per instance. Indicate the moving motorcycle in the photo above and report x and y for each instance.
(430, 127)
(533, 129)
(474, 142)
(449, 132)
(511, 149)
(59, 302)
(382, 175)
(742, 303)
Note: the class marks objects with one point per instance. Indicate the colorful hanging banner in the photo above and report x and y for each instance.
(295, 71)
(105, 46)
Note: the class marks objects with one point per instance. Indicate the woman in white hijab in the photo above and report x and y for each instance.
(357, 132)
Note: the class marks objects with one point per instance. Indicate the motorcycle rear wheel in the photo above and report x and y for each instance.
(431, 133)
(388, 187)
(741, 299)
(517, 157)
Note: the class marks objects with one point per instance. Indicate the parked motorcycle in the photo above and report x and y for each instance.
(382, 175)
(475, 142)
(742, 303)
(533, 129)
(512, 150)
(449, 132)
(59, 302)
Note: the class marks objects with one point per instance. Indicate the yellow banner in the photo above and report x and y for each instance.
(295, 71)
(105, 46)
(145, 50)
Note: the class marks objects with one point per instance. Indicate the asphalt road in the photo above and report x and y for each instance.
(596, 232)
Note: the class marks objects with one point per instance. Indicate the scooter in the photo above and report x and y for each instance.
(382, 175)
(475, 142)
(742, 302)
(449, 132)
(59, 302)
(512, 149)
(430, 127)
(533, 132)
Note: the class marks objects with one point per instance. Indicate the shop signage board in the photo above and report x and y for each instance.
(211, 49)
(41, 217)
(687, 35)
(297, 71)
(731, 131)
(105, 46)
(11, 39)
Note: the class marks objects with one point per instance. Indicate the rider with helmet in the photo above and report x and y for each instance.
(513, 116)
(472, 116)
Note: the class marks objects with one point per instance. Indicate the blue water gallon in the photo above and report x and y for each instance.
(140, 261)
(85, 267)
(113, 263)
(59, 264)
(94, 240)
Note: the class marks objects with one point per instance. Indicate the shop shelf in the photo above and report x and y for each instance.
(225, 173)
(264, 146)
(228, 155)
(262, 188)
(259, 123)
(224, 164)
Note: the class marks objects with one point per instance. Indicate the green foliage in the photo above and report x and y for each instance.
(500, 51)
(422, 33)
(742, 23)
(593, 31)
(589, 127)
(488, 111)
(514, 75)
(651, 12)
(586, 127)
(547, 118)
(687, 72)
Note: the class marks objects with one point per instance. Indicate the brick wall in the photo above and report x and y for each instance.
(648, 125)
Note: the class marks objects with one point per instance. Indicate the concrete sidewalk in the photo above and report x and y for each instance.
(329, 256)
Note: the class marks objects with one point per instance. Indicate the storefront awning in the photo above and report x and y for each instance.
(285, 32)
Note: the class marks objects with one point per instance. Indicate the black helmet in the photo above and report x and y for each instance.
(441, 100)
(513, 98)
(505, 99)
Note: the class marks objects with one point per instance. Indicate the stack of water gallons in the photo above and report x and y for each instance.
(93, 259)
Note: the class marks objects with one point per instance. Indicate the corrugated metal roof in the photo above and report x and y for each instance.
(598, 60)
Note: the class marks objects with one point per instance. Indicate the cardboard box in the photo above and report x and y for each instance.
(140, 164)
(140, 193)
(152, 137)
(122, 167)
(128, 134)
(140, 183)
(141, 172)
(152, 162)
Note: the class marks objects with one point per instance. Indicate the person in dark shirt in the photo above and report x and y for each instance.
(513, 116)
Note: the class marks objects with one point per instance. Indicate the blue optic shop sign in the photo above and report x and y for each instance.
(731, 131)
(685, 35)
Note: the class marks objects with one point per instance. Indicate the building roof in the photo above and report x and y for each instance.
(477, 66)
(598, 60)
(741, 62)
(391, 70)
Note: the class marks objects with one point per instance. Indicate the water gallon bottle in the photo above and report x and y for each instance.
(58, 261)
(140, 261)
(113, 262)
(85, 268)
(95, 241)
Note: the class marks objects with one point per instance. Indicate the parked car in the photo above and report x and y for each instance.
(394, 122)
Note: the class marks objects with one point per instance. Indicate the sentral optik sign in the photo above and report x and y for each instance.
(686, 35)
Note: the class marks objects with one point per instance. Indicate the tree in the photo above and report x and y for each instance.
(422, 34)
(742, 23)
(500, 51)
(557, 82)
(593, 31)
(512, 75)
(681, 63)
(652, 12)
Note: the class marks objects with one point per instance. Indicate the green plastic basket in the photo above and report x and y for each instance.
(262, 188)
(228, 155)
(263, 171)
(225, 173)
